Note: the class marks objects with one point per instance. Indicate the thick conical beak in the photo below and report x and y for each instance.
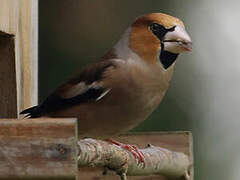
(177, 41)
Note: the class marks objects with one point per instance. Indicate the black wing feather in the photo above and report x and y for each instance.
(55, 102)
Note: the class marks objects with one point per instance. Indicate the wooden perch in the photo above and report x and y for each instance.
(97, 153)
(38, 148)
(49, 148)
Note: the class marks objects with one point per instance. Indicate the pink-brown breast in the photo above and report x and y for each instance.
(133, 96)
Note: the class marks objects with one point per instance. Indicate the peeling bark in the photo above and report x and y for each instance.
(158, 161)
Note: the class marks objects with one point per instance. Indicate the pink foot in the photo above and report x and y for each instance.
(131, 148)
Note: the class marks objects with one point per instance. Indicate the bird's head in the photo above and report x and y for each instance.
(158, 36)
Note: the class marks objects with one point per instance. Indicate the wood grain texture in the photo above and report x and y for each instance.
(176, 141)
(45, 148)
(19, 18)
(38, 148)
(8, 90)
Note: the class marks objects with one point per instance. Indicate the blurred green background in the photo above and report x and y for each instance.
(204, 93)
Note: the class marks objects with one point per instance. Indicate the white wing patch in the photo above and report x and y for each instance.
(103, 94)
(75, 90)
(81, 88)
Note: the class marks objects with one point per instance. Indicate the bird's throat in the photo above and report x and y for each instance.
(167, 58)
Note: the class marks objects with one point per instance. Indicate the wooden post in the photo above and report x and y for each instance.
(18, 60)
(8, 90)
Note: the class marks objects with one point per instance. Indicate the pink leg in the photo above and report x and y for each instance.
(131, 148)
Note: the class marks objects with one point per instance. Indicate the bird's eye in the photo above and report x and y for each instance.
(156, 27)
(160, 30)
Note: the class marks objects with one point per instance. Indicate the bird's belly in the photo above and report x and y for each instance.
(112, 116)
(123, 108)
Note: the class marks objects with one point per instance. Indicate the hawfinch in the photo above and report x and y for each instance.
(124, 87)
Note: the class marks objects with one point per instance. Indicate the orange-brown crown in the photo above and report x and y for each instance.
(142, 41)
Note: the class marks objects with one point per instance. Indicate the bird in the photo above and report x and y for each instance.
(121, 89)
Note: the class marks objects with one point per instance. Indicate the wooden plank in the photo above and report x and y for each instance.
(27, 53)
(176, 141)
(38, 148)
(19, 18)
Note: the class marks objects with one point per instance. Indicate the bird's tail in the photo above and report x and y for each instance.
(32, 112)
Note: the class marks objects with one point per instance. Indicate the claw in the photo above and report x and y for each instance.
(131, 148)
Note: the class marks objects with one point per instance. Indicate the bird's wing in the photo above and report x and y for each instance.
(87, 87)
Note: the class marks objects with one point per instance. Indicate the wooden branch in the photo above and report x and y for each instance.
(97, 153)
